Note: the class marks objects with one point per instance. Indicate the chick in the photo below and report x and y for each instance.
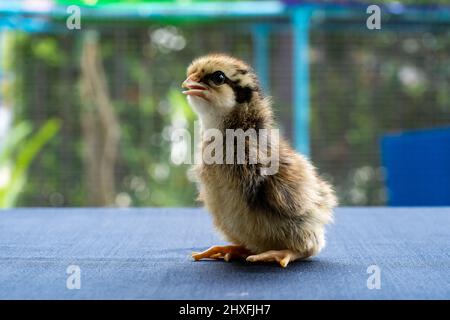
(267, 217)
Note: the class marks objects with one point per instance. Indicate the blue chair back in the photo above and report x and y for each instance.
(417, 167)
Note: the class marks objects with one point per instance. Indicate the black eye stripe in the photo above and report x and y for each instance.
(218, 78)
(232, 83)
(243, 94)
(208, 77)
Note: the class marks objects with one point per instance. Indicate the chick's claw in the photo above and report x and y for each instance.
(222, 252)
(283, 257)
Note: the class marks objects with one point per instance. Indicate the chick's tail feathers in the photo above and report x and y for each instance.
(328, 198)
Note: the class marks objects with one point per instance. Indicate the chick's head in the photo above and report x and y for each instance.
(218, 83)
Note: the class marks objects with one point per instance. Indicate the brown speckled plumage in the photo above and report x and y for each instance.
(287, 210)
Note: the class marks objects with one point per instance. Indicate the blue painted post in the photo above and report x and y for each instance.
(301, 20)
(260, 34)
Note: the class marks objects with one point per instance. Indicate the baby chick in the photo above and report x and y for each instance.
(279, 217)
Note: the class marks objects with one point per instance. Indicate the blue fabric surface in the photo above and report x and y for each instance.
(145, 254)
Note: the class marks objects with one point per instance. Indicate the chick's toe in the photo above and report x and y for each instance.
(283, 257)
(222, 252)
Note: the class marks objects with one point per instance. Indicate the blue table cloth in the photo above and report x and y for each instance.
(145, 254)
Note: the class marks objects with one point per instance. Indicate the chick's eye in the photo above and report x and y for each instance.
(218, 78)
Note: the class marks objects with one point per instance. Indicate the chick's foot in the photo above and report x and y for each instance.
(283, 257)
(222, 252)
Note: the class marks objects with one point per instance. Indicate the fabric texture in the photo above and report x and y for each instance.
(145, 254)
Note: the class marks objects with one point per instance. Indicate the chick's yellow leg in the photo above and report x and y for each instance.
(283, 257)
(222, 252)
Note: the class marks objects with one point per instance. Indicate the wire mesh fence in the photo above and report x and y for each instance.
(363, 85)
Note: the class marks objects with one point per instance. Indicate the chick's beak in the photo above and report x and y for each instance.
(194, 88)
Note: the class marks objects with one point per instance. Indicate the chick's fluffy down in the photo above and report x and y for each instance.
(285, 210)
(290, 212)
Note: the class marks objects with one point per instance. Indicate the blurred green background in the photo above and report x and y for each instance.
(86, 116)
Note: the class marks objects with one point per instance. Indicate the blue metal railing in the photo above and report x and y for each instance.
(19, 15)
